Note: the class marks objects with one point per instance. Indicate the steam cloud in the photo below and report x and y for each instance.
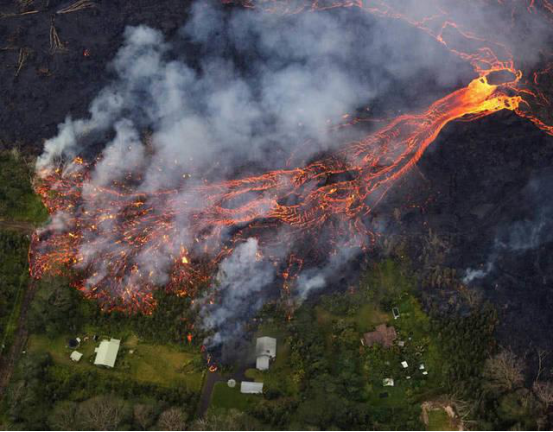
(238, 92)
(528, 234)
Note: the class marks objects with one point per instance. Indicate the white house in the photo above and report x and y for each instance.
(249, 387)
(106, 353)
(265, 351)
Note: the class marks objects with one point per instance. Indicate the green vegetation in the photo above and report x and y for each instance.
(14, 274)
(18, 202)
(157, 373)
(18, 205)
(228, 398)
(325, 378)
(45, 394)
(438, 420)
(159, 364)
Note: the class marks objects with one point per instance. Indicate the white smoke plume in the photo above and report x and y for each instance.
(318, 278)
(237, 92)
(239, 288)
(528, 234)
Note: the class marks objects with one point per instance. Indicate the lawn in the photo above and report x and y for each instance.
(224, 397)
(438, 420)
(369, 316)
(159, 364)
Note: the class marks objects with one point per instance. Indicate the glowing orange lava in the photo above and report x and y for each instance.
(365, 171)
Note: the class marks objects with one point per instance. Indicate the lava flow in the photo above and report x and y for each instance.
(337, 193)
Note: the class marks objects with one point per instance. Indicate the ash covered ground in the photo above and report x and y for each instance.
(483, 186)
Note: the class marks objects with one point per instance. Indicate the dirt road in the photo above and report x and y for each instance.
(22, 227)
(9, 359)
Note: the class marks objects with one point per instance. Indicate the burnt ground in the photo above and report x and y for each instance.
(471, 184)
(478, 178)
(53, 83)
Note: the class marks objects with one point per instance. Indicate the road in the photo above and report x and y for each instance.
(22, 227)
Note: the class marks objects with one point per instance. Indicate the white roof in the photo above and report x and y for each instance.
(251, 387)
(106, 353)
(76, 356)
(388, 382)
(266, 346)
(262, 362)
(404, 364)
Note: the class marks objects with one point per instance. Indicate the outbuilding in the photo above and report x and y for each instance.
(76, 356)
(249, 387)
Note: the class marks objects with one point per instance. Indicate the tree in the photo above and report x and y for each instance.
(231, 420)
(173, 419)
(54, 307)
(144, 415)
(103, 413)
(504, 371)
(544, 392)
(63, 416)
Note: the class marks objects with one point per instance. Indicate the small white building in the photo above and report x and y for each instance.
(76, 356)
(106, 353)
(404, 364)
(265, 351)
(249, 387)
(388, 382)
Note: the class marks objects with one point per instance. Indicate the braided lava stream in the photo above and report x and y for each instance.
(337, 192)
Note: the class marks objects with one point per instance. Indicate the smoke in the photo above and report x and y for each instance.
(240, 289)
(233, 93)
(318, 278)
(527, 234)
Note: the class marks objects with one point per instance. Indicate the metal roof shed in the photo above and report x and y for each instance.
(76, 356)
(251, 387)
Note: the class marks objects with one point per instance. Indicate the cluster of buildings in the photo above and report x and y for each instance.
(386, 337)
(265, 353)
(106, 352)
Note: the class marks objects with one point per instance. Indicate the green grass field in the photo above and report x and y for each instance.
(438, 420)
(224, 397)
(159, 364)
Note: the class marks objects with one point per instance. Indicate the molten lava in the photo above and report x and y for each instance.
(302, 199)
